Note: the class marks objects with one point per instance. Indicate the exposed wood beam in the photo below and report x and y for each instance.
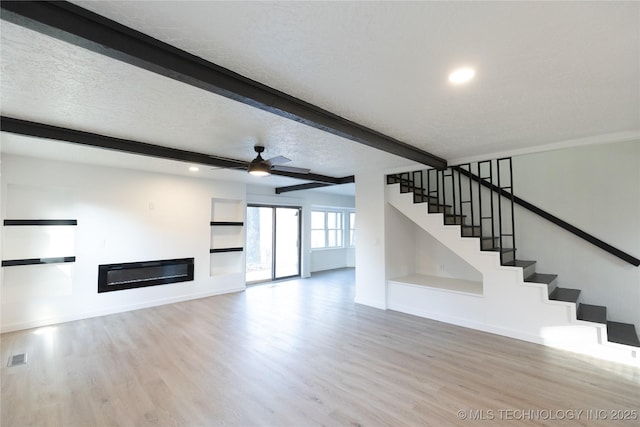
(310, 185)
(40, 130)
(78, 26)
(307, 186)
(309, 177)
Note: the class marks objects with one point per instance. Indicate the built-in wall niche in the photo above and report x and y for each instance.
(227, 236)
(38, 257)
(38, 241)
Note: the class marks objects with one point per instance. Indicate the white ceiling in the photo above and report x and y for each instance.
(546, 73)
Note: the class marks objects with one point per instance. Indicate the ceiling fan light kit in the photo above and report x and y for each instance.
(258, 166)
(262, 167)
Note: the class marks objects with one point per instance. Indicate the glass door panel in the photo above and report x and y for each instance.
(287, 243)
(259, 244)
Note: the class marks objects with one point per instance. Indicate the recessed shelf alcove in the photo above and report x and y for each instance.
(30, 239)
(227, 237)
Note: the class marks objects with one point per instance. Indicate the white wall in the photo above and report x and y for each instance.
(312, 260)
(371, 274)
(123, 216)
(596, 188)
(435, 259)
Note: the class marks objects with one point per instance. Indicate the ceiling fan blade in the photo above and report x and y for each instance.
(278, 160)
(291, 169)
(229, 168)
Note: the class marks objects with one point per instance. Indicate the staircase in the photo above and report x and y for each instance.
(479, 199)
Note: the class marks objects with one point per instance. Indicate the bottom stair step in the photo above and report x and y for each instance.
(564, 294)
(592, 313)
(622, 333)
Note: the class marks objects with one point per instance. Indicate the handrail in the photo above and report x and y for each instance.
(554, 219)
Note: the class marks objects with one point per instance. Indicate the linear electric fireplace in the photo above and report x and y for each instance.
(116, 277)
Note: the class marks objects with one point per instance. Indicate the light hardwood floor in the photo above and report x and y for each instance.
(299, 353)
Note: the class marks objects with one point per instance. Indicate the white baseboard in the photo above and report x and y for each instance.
(467, 323)
(371, 303)
(37, 323)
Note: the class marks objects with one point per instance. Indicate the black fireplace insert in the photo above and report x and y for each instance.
(116, 277)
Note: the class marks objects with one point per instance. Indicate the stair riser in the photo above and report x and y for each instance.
(468, 232)
(453, 220)
(529, 270)
(439, 209)
(488, 244)
(508, 257)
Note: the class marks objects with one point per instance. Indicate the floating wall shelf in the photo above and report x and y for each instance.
(220, 250)
(34, 261)
(228, 223)
(39, 222)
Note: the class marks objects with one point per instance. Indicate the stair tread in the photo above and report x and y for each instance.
(622, 333)
(541, 278)
(592, 313)
(505, 250)
(565, 294)
(520, 263)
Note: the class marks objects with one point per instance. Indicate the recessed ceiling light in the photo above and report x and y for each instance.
(194, 168)
(461, 75)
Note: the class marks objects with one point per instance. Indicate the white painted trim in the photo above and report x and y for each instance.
(410, 168)
(371, 303)
(113, 310)
(485, 327)
(441, 284)
(610, 138)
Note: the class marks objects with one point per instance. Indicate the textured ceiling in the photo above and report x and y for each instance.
(547, 72)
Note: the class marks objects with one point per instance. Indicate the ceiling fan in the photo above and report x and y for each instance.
(262, 167)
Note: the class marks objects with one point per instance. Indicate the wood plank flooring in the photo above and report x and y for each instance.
(299, 353)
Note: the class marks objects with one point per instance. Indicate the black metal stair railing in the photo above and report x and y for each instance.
(479, 197)
(474, 205)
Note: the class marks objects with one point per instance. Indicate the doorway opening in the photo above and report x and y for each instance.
(273, 243)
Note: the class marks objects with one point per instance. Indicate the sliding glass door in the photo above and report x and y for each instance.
(273, 243)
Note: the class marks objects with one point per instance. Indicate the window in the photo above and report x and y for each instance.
(352, 228)
(326, 229)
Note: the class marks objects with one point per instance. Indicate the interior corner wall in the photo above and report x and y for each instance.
(596, 188)
(400, 238)
(412, 250)
(435, 259)
(371, 275)
(123, 216)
